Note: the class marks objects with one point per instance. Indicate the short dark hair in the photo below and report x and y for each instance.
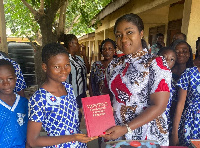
(159, 34)
(7, 63)
(197, 42)
(183, 35)
(107, 40)
(163, 49)
(67, 38)
(52, 49)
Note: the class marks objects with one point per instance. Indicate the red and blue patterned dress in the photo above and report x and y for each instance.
(132, 79)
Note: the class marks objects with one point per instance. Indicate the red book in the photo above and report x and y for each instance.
(98, 114)
(195, 143)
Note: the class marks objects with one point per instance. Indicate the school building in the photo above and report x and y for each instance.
(159, 16)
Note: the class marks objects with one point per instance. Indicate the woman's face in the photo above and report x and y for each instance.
(76, 46)
(108, 50)
(128, 37)
(182, 52)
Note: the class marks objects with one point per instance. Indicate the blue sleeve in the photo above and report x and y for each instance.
(37, 107)
(184, 80)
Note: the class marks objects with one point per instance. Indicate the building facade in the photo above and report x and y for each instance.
(159, 16)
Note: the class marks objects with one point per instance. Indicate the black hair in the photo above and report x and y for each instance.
(197, 44)
(4, 62)
(52, 49)
(164, 49)
(67, 38)
(134, 19)
(107, 40)
(159, 34)
(184, 36)
(159, 45)
(190, 60)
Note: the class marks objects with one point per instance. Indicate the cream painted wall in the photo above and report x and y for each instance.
(176, 12)
(154, 18)
(3, 40)
(155, 13)
(191, 22)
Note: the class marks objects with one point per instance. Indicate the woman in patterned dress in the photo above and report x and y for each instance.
(140, 84)
(97, 74)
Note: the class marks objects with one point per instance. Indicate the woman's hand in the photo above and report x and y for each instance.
(115, 132)
(84, 138)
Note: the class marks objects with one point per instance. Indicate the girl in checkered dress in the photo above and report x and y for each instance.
(54, 105)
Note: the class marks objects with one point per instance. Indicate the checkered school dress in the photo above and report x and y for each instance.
(59, 115)
(190, 120)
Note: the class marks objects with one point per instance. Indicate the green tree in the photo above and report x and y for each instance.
(47, 19)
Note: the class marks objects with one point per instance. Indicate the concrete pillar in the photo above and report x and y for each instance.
(106, 34)
(3, 39)
(191, 22)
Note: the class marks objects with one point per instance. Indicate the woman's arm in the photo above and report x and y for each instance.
(34, 139)
(158, 105)
(177, 116)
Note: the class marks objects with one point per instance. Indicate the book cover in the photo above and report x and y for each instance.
(98, 114)
(195, 143)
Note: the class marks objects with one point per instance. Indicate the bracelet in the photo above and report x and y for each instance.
(128, 129)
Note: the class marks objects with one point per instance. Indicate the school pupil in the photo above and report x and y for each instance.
(136, 81)
(13, 109)
(186, 123)
(54, 105)
(170, 56)
(20, 83)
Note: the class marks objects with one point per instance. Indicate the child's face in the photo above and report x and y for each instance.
(57, 68)
(170, 57)
(7, 80)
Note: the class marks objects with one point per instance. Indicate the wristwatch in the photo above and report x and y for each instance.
(129, 129)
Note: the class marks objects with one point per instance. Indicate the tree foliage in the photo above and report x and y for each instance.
(78, 15)
(45, 20)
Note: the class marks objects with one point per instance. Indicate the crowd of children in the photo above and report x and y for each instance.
(172, 100)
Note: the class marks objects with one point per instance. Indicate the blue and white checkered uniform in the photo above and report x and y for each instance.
(13, 123)
(59, 115)
(20, 84)
(190, 120)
